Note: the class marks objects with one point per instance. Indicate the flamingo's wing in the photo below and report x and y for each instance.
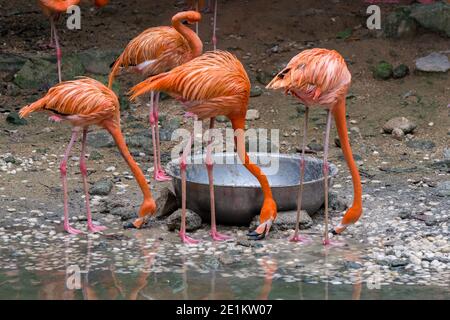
(83, 97)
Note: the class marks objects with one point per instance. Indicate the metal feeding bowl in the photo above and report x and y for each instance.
(238, 194)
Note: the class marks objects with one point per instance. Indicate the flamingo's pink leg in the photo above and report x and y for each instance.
(63, 169)
(58, 48)
(183, 165)
(209, 166)
(160, 174)
(297, 237)
(214, 38)
(83, 170)
(52, 42)
(152, 125)
(326, 240)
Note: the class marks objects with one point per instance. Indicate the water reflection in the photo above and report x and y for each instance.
(140, 266)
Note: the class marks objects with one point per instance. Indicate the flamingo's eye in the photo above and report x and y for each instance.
(283, 73)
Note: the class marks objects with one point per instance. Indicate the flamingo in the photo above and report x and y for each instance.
(82, 103)
(154, 51)
(52, 9)
(321, 77)
(198, 5)
(213, 84)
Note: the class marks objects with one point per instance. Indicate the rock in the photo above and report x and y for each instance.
(100, 139)
(300, 107)
(405, 214)
(446, 153)
(221, 119)
(263, 77)
(12, 90)
(399, 24)
(72, 67)
(256, 91)
(401, 123)
(431, 221)
(345, 34)
(443, 189)
(252, 114)
(13, 160)
(124, 210)
(248, 243)
(434, 62)
(98, 61)
(172, 124)
(433, 16)
(193, 221)
(95, 155)
(286, 221)
(275, 49)
(442, 165)
(396, 263)
(14, 118)
(166, 203)
(10, 62)
(35, 74)
(140, 140)
(400, 71)
(398, 134)
(421, 144)
(313, 145)
(352, 265)
(226, 259)
(356, 157)
(336, 202)
(383, 71)
(101, 188)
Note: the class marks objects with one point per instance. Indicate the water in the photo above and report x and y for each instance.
(142, 265)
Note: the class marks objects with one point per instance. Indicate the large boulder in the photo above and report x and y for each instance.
(399, 24)
(98, 61)
(193, 221)
(11, 62)
(35, 74)
(434, 16)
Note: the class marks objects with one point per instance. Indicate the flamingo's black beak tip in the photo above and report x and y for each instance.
(129, 225)
(253, 235)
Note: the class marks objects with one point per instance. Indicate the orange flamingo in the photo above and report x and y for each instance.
(213, 84)
(321, 77)
(154, 51)
(84, 102)
(52, 9)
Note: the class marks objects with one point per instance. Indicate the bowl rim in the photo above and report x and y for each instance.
(173, 163)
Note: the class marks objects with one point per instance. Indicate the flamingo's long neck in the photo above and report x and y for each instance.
(239, 127)
(192, 38)
(341, 126)
(116, 133)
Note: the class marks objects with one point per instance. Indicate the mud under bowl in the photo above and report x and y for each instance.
(238, 193)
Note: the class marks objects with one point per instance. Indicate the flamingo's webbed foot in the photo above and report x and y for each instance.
(186, 239)
(299, 238)
(94, 228)
(219, 237)
(160, 175)
(71, 230)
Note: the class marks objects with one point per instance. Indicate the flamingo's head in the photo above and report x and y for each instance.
(190, 17)
(101, 3)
